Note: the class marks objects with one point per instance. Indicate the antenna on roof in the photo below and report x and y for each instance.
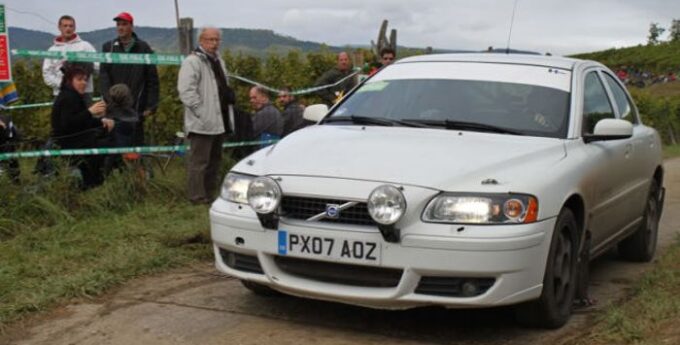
(512, 21)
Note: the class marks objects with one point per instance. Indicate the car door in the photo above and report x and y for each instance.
(609, 162)
(642, 145)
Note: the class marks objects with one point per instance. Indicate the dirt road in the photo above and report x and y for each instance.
(199, 306)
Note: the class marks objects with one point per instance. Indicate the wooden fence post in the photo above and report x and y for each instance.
(186, 35)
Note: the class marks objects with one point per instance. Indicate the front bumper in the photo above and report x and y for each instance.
(513, 260)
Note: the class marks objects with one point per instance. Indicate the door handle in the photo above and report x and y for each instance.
(629, 148)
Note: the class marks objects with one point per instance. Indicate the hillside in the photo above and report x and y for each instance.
(659, 58)
(665, 89)
(251, 41)
(255, 42)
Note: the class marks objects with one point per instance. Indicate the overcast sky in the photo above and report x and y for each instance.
(558, 26)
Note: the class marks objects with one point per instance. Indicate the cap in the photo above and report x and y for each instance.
(124, 16)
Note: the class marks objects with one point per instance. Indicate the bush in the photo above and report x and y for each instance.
(294, 69)
(300, 70)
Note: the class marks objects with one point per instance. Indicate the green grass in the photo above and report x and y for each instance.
(57, 243)
(652, 313)
(671, 151)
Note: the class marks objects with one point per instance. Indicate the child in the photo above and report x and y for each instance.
(121, 111)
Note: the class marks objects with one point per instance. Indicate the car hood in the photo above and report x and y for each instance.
(431, 158)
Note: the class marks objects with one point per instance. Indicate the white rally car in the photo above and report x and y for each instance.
(454, 180)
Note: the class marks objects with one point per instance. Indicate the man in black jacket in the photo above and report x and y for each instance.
(141, 79)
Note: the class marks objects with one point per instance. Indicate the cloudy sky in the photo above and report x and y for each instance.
(557, 26)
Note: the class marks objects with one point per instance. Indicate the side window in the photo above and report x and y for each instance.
(596, 104)
(622, 102)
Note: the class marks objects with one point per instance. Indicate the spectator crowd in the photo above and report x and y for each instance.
(634, 76)
(130, 95)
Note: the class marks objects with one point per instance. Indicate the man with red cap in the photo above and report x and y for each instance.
(142, 80)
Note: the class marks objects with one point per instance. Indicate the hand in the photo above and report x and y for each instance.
(98, 108)
(108, 124)
(2, 125)
(147, 113)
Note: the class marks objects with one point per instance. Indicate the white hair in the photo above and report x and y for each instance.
(206, 28)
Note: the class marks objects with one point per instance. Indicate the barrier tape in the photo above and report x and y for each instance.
(119, 150)
(28, 106)
(298, 91)
(35, 105)
(148, 59)
(117, 58)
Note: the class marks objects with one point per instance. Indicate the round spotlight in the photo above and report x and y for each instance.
(386, 204)
(469, 289)
(264, 195)
(513, 209)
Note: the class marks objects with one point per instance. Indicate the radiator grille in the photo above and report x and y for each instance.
(304, 208)
(345, 274)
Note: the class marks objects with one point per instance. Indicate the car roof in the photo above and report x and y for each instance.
(521, 59)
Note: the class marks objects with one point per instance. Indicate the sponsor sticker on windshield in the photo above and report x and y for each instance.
(375, 86)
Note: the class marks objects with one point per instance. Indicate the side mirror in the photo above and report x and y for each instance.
(610, 129)
(315, 112)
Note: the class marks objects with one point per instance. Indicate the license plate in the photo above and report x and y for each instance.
(327, 247)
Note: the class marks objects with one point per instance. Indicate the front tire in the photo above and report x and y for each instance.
(641, 245)
(553, 309)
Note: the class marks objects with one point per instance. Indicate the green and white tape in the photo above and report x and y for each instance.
(298, 91)
(119, 150)
(148, 59)
(116, 58)
(36, 105)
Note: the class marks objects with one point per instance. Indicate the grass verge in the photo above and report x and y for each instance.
(652, 314)
(671, 151)
(57, 243)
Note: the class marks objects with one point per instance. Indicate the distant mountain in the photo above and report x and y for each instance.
(164, 40)
(255, 42)
(29, 39)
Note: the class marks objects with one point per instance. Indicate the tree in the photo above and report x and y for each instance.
(675, 30)
(655, 31)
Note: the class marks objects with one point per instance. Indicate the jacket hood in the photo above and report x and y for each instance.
(432, 158)
(59, 40)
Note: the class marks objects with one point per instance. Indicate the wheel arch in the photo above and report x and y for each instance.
(577, 206)
(658, 175)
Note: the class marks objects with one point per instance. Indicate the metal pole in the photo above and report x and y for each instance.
(179, 28)
(177, 13)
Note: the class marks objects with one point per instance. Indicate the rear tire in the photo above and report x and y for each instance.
(259, 289)
(641, 245)
(553, 309)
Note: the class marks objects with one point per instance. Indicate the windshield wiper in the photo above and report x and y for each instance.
(463, 125)
(366, 120)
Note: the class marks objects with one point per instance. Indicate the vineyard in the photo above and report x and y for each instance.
(659, 106)
(293, 69)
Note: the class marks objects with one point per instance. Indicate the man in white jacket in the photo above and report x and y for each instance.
(68, 41)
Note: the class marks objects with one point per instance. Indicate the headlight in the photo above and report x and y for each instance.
(482, 209)
(264, 195)
(386, 204)
(235, 188)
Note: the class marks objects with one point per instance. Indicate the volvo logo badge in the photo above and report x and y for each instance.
(332, 211)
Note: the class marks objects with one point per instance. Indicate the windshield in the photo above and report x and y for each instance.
(518, 108)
